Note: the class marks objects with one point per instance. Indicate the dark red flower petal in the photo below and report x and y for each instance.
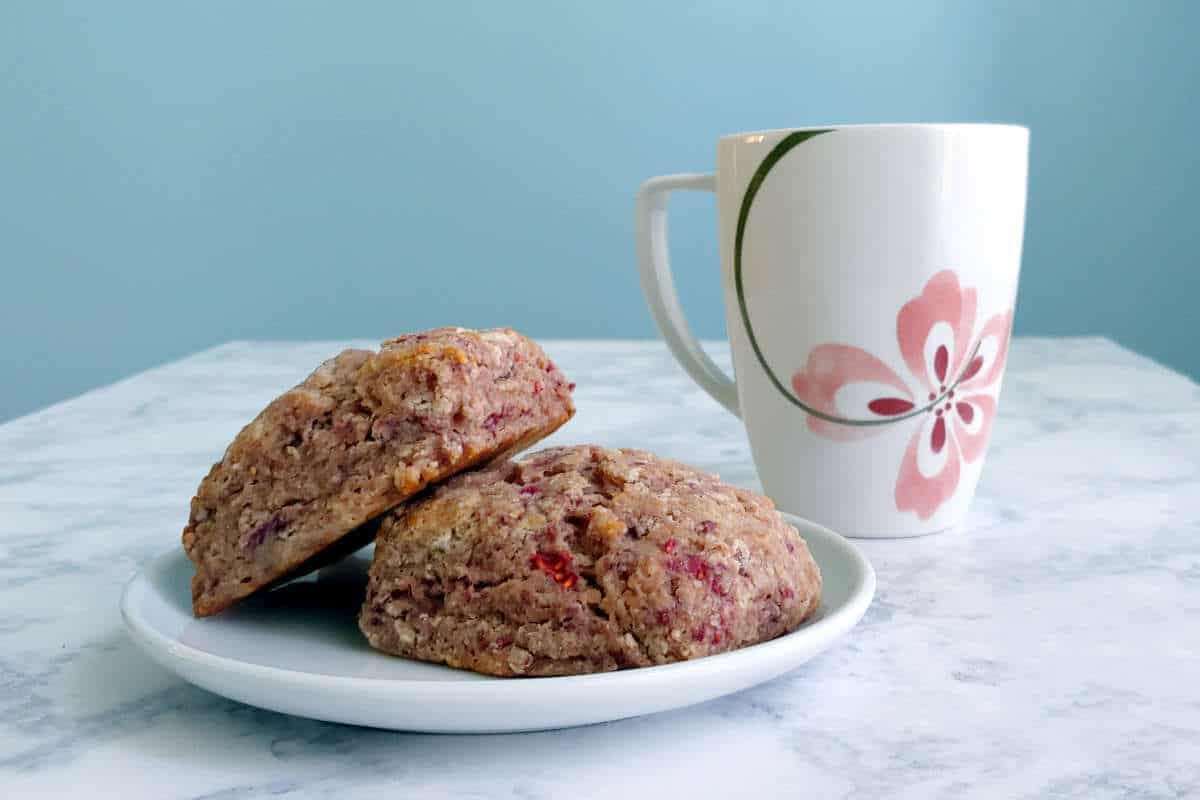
(972, 369)
(941, 360)
(938, 440)
(890, 406)
(966, 411)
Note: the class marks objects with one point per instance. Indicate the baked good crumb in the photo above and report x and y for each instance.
(584, 559)
(365, 431)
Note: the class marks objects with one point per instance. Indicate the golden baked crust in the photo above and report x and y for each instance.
(362, 433)
(584, 559)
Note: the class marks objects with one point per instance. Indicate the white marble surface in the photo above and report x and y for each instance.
(1052, 650)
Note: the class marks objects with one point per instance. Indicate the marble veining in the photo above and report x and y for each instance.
(1050, 650)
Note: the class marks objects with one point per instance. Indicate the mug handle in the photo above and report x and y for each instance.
(650, 237)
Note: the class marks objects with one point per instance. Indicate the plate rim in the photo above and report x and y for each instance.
(841, 620)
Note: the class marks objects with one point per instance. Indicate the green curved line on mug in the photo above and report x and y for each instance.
(756, 181)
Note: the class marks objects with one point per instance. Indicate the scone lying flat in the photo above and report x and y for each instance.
(584, 559)
(364, 432)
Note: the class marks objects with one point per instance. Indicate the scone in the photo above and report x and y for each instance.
(583, 559)
(366, 431)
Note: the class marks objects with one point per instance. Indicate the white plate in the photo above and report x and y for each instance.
(298, 650)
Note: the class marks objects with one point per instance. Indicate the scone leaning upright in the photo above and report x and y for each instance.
(364, 432)
(584, 559)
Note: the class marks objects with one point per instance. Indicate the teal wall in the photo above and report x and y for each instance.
(173, 175)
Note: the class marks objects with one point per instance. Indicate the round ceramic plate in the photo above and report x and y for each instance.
(298, 650)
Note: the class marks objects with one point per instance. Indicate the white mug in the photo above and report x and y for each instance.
(870, 273)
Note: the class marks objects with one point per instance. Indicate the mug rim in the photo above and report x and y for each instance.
(931, 126)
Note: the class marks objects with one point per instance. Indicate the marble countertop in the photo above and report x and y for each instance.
(1051, 650)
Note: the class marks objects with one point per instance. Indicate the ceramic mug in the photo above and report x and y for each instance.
(869, 276)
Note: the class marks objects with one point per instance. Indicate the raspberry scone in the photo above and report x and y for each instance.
(364, 432)
(584, 559)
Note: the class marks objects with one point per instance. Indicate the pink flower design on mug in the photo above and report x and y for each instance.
(853, 393)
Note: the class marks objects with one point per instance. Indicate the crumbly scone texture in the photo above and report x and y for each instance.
(584, 559)
(364, 432)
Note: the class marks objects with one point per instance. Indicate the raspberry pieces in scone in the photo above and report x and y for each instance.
(364, 432)
(584, 559)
